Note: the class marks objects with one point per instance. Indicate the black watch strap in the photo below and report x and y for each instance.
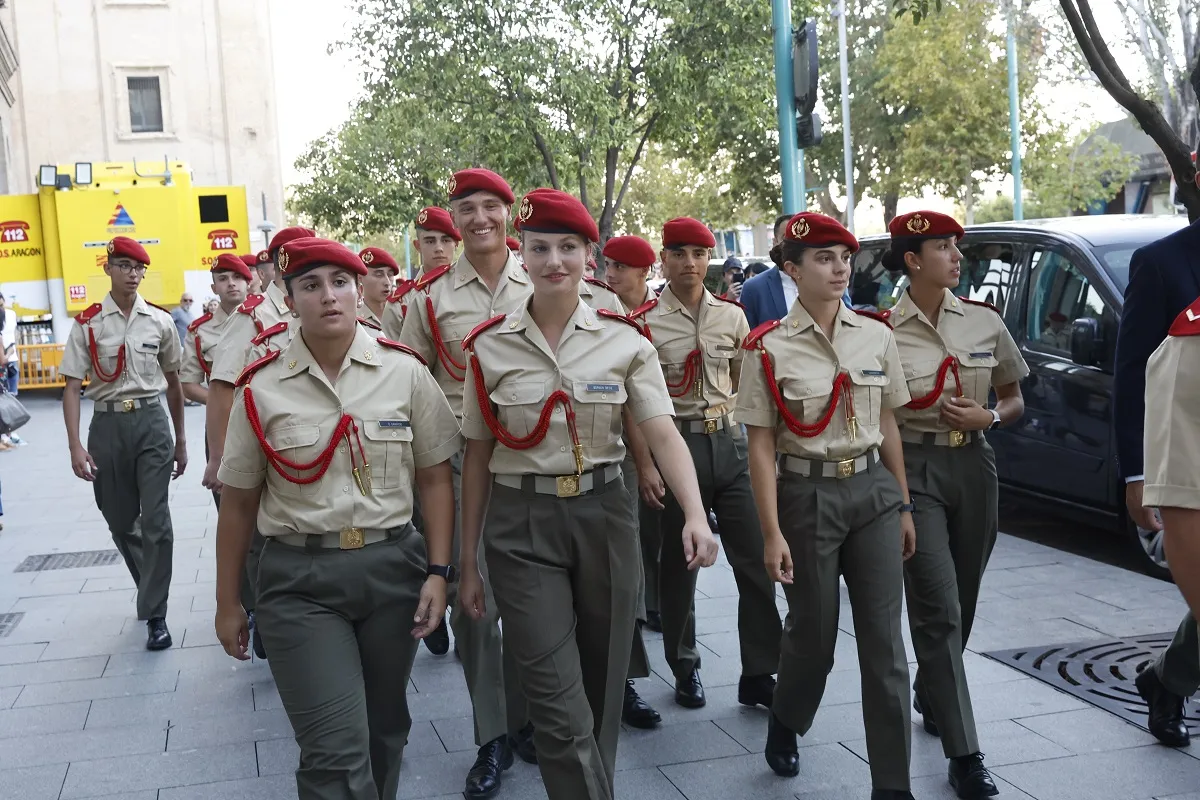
(443, 571)
(910, 506)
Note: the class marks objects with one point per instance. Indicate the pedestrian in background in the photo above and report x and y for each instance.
(182, 316)
(10, 365)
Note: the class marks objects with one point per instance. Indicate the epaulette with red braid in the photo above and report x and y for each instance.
(754, 336)
(886, 314)
(200, 320)
(255, 366)
(403, 348)
(274, 330)
(251, 302)
(369, 324)
(872, 315)
(600, 283)
(429, 277)
(1188, 322)
(85, 316)
(644, 308)
(156, 305)
(469, 340)
(606, 314)
(730, 300)
(980, 303)
(402, 288)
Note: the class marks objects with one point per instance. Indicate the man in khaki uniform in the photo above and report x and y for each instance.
(699, 337)
(129, 351)
(231, 277)
(436, 239)
(378, 284)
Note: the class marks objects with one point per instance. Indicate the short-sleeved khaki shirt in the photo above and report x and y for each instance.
(461, 300)
(717, 333)
(202, 338)
(806, 364)
(598, 296)
(232, 352)
(975, 336)
(602, 365)
(151, 350)
(367, 314)
(1172, 432)
(396, 309)
(647, 295)
(403, 420)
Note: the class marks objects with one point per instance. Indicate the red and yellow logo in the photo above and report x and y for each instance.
(223, 239)
(14, 231)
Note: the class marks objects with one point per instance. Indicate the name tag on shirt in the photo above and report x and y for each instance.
(395, 423)
(148, 347)
(873, 373)
(724, 348)
(604, 387)
(987, 354)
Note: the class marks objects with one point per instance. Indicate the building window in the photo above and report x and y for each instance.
(145, 104)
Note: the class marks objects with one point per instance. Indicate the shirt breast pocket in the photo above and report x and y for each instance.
(674, 364)
(297, 444)
(868, 383)
(807, 399)
(976, 367)
(145, 358)
(922, 377)
(109, 357)
(720, 354)
(389, 451)
(597, 410)
(519, 404)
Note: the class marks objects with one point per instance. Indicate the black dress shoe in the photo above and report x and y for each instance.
(782, 755)
(256, 640)
(756, 690)
(712, 523)
(438, 642)
(970, 778)
(521, 743)
(926, 721)
(654, 621)
(891, 794)
(157, 635)
(636, 712)
(689, 692)
(483, 780)
(1166, 710)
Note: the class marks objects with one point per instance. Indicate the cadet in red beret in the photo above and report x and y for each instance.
(438, 219)
(685, 231)
(436, 239)
(230, 279)
(466, 182)
(925, 225)
(124, 247)
(378, 283)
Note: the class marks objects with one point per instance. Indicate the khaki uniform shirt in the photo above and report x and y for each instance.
(151, 345)
(1172, 432)
(602, 365)
(806, 364)
(232, 353)
(598, 297)
(647, 296)
(197, 360)
(975, 336)
(461, 300)
(403, 419)
(366, 313)
(718, 334)
(395, 310)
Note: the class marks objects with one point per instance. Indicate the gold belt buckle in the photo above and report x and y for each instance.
(567, 485)
(351, 539)
(127, 405)
(957, 438)
(845, 468)
(710, 426)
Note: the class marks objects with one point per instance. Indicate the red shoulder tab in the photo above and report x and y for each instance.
(600, 283)
(752, 338)
(370, 324)
(469, 340)
(403, 348)
(604, 312)
(85, 316)
(274, 330)
(730, 300)
(156, 305)
(255, 366)
(250, 303)
(402, 288)
(980, 303)
(872, 315)
(429, 277)
(200, 320)
(886, 314)
(644, 308)
(1188, 322)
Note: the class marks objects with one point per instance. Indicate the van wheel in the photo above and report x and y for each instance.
(1154, 558)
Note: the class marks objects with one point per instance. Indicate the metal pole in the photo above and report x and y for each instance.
(848, 149)
(408, 250)
(803, 184)
(785, 97)
(1014, 113)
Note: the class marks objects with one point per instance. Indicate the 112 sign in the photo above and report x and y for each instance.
(14, 231)
(223, 239)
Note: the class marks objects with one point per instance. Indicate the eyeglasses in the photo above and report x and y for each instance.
(128, 268)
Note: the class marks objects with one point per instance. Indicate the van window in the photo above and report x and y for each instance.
(871, 286)
(986, 272)
(1059, 294)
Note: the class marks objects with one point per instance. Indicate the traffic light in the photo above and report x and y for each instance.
(808, 130)
(805, 69)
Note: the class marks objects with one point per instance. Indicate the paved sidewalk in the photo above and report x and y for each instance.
(86, 712)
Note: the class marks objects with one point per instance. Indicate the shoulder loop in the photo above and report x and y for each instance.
(606, 314)
(469, 341)
(255, 366)
(756, 335)
(644, 308)
(598, 282)
(251, 302)
(370, 324)
(730, 300)
(156, 305)
(872, 315)
(1188, 321)
(274, 330)
(85, 316)
(403, 348)
(200, 320)
(402, 288)
(979, 303)
(425, 280)
(886, 314)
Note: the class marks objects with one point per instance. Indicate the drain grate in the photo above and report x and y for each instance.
(9, 621)
(87, 558)
(1097, 672)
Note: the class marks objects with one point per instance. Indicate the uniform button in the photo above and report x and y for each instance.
(395, 435)
(345, 488)
(845, 431)
(562, 449)
(514, 397)
(341, 450)
(808, 391)
(603, 397)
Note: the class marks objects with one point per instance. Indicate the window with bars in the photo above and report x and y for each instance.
(145, 104)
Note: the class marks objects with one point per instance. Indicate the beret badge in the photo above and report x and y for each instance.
(368, 257)
(283, 257)
(918, 224)
(800, 229)
(423, 217)
(526, 210)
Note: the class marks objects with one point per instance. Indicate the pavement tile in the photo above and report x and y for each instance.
(174, 660)
(273, 787)
(21, 653)
(52, 671)
(675, 744)
(1139, 772)
(37, 720)
(1088, 730)
(166, 770)
(278, 756)
(96, 689)
(32, 783)
(81, 745)
(926, 788)
(152, 709)
(1016, 699)
(832, 724)
(456, 734)
(188, 733)
(822, 767)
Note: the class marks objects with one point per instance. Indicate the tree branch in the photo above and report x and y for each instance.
(637, 156)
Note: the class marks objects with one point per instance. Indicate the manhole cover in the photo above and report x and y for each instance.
(8, 622)
(1097, 672)
(88, 558)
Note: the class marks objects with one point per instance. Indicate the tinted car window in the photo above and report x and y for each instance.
(872, 286)
(1059, 294)
(986, 272)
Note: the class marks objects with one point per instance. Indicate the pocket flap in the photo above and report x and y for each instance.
(600, 392)
(293, 436)
(977, 358)
(916, 370)
(388, 430)
(807, 390)
(675, 356)
(518, 393)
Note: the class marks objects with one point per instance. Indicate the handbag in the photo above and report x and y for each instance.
(12, 413)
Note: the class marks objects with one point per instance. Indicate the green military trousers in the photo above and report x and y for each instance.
(1178, 667)
(846, 527)
(565, 577)
(639, 659)
(134, 454)
(338, 626)
(957, 496)
(649, 522)
(724, 476)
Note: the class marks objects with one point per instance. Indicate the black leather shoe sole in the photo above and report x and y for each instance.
(158, 642)
(781, 752)
(480, 793)
(690, 700)
(1150, 689)
(438, 642)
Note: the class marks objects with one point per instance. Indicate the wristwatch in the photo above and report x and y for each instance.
(995, 419)
(910, 506)
(447, 572)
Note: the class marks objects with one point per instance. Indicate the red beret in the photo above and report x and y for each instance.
(124, 247)
(632, 251)
(438, 219)
(513, 244)
(249, 260)
(287, 235)
(263, 256)
(682, 231)
(228, 262)
(378, 257)
(469, 181)
(818, 230)
(925, 225)
(552, 211)
(1058, 316)
(303, 254)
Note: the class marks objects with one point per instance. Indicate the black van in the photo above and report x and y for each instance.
(1059, 285)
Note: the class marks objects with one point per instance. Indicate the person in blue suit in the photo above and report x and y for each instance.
(1164, 279)
(770, 295)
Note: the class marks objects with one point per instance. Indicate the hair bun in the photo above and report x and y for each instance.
(776, 254)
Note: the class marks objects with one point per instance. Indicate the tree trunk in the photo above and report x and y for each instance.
(969, 198)
(891, 200)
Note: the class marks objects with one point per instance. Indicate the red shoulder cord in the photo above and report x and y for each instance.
(100, 374)
(200, 357)
(320, 463)
(456, 370)
(506, 438)
(842, 389)
(949, 365)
